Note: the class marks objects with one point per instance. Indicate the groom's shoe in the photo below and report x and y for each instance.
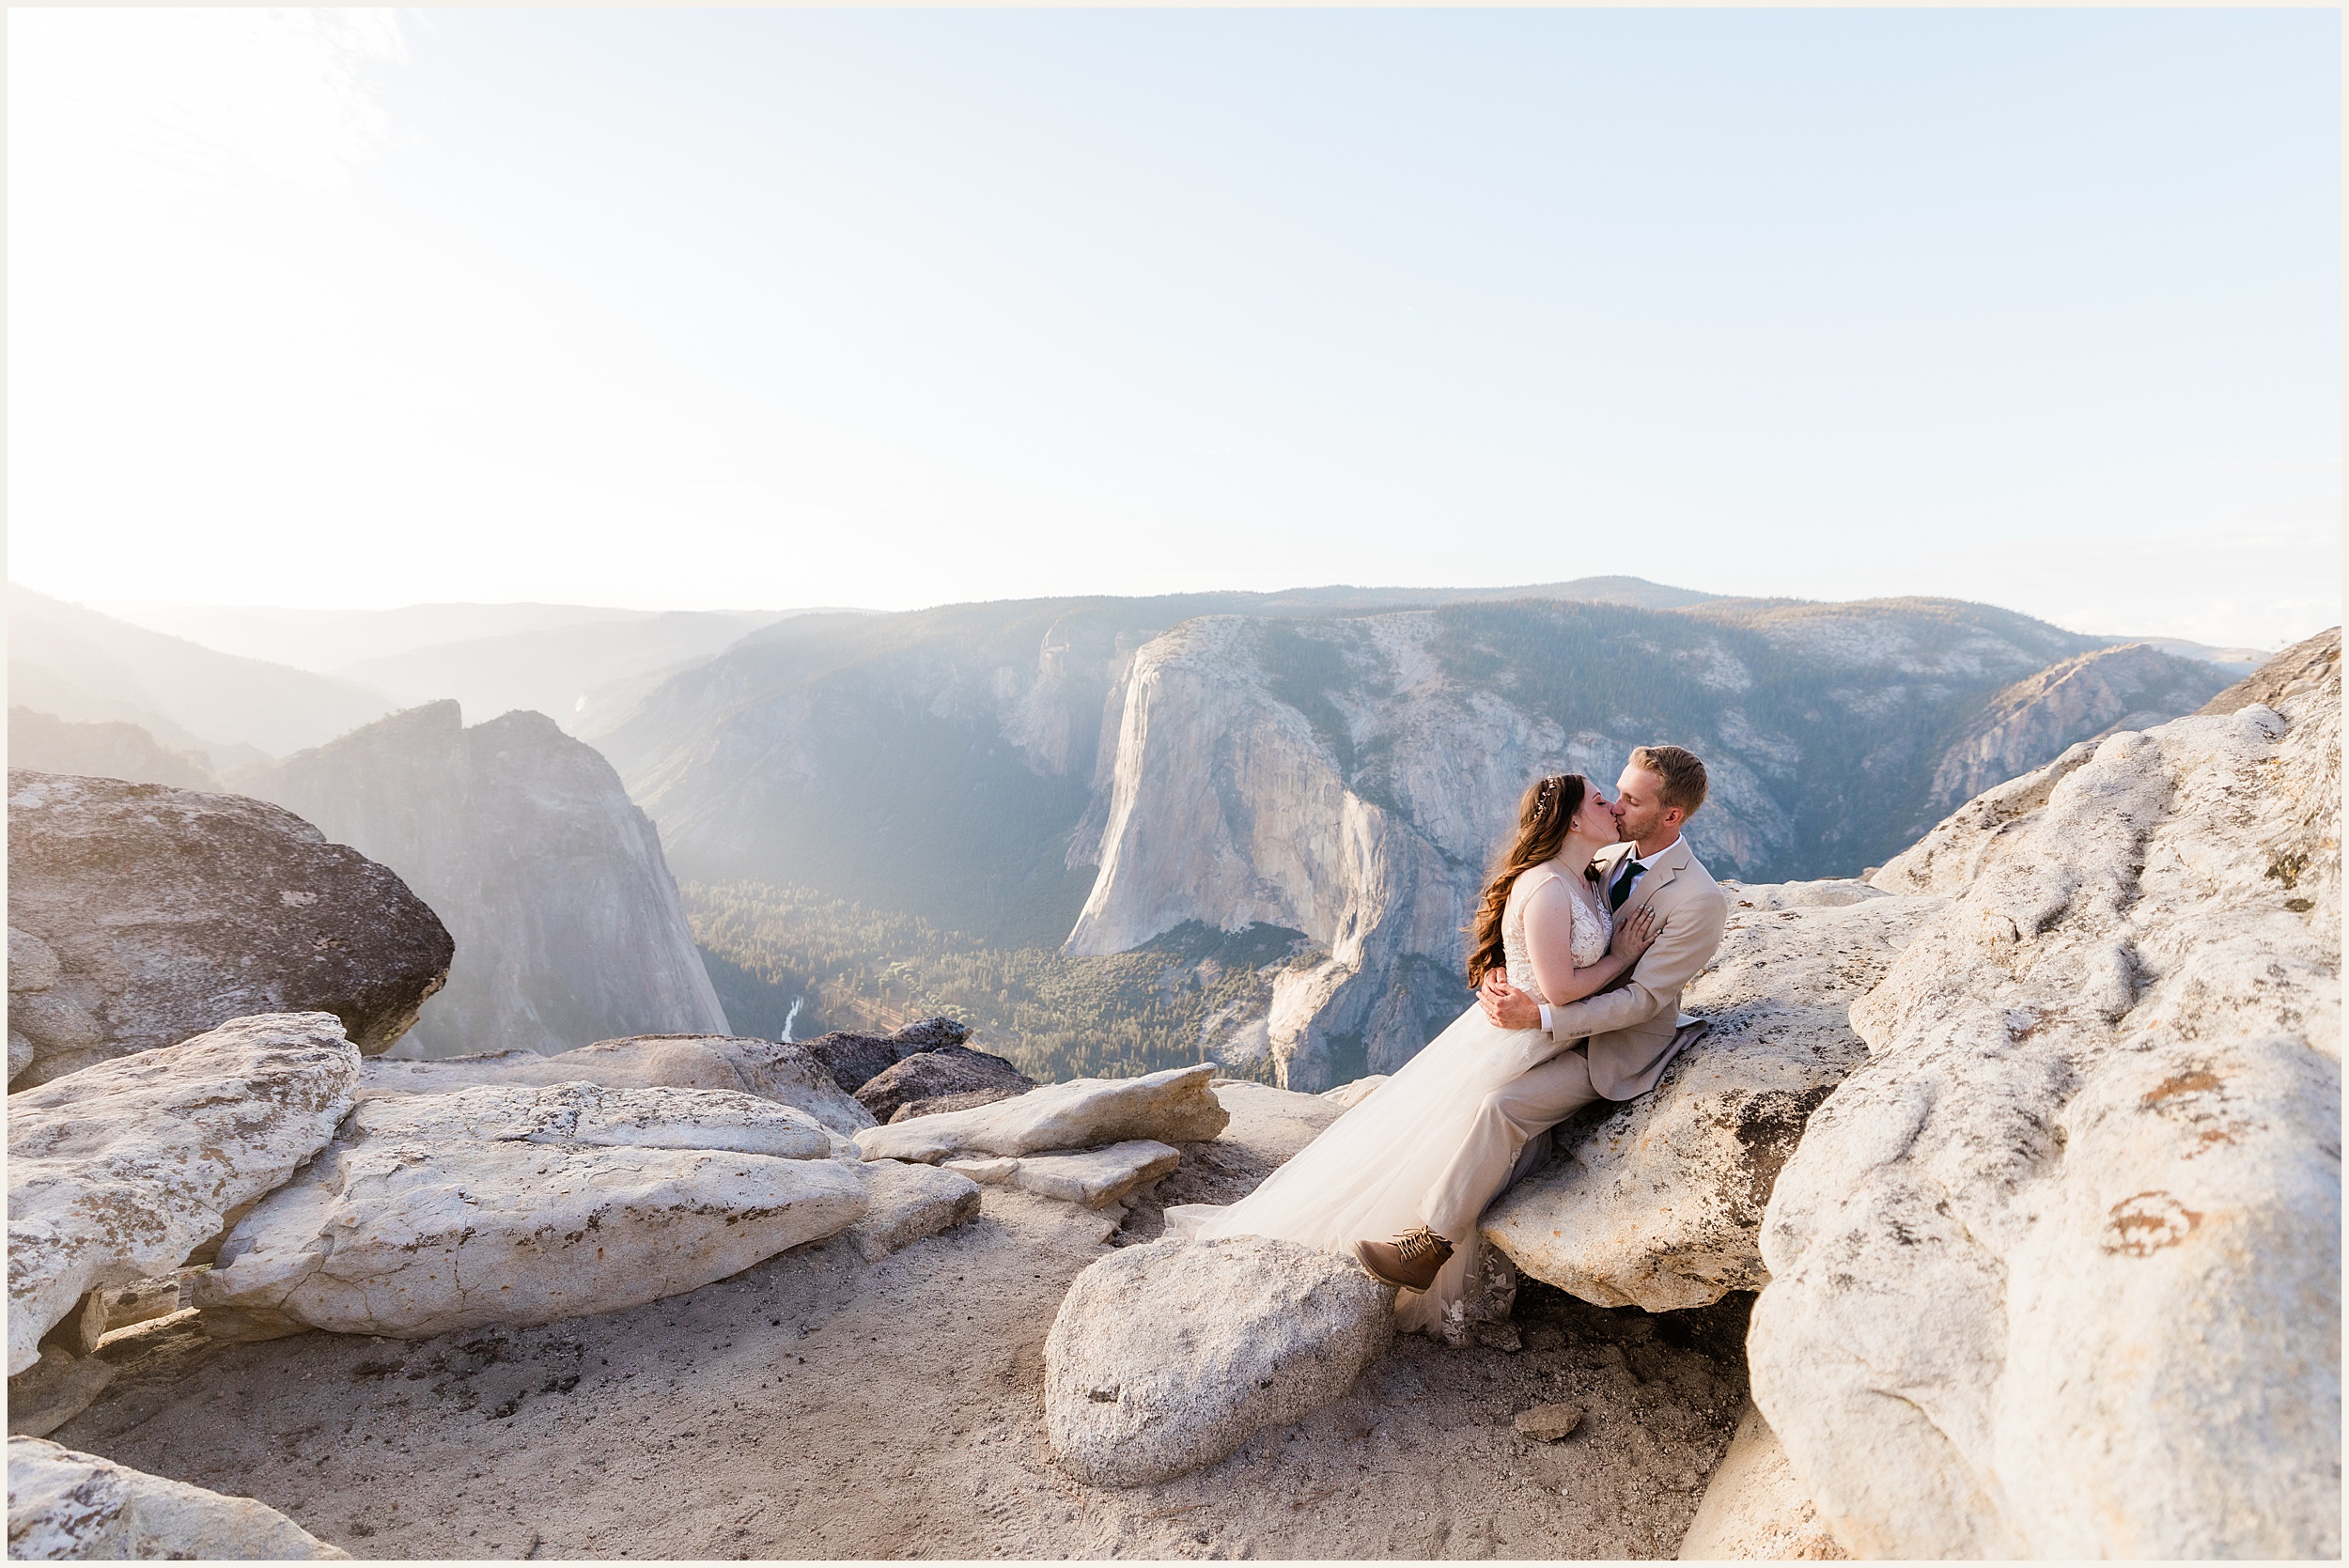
(1411, 1260)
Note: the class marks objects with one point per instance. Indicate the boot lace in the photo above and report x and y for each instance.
(1414, 1244)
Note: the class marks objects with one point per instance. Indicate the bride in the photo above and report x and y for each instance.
(1421, 1154)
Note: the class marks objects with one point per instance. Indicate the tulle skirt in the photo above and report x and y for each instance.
(1367, 1174)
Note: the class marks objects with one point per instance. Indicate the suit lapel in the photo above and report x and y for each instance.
(1659, 873)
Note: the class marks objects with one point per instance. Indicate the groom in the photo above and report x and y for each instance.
(1613, 1044)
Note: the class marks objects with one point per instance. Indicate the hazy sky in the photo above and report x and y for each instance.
(759, 308)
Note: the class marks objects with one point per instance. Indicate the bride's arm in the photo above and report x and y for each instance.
(1549, 943)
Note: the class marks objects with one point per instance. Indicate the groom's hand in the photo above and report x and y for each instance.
(1505, 1005)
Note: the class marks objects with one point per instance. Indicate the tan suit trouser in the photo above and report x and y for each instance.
(1510, 1116)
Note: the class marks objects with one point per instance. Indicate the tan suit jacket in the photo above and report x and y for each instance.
(1630, 1025)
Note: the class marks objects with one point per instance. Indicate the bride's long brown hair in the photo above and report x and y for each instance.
(1543, 818)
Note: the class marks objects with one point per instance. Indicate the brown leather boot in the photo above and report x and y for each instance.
(1411, 1260)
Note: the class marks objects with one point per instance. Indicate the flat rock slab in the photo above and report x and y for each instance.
(119, 1172)
(139, 916)
(1172, 1106)
(67, 1505)
(512, 1206)
(771, 1070)
(1091, 1177)
(909, 1203)
(1168, 1356)
(2080, 1210)
(1657, 1203)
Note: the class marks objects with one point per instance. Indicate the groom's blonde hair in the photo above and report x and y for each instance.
(1684, 776)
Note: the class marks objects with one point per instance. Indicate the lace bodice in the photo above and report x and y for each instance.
(1593, 927)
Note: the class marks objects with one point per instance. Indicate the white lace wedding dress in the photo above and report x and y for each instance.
(1363, 1178)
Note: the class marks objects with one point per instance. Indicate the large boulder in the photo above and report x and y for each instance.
(770, 1069)
(118, 1172)
(66, 1505)
(1168, 1356)
(855, 1060)
(2057, 1273)
(935, 1074)
(1657, 1202)
(568, 925)
(1172, 1106)
(515, 1206)
(139, 916)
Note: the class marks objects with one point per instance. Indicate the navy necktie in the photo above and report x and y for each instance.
(1621, 890)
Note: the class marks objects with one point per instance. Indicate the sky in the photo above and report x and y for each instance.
(742, 308)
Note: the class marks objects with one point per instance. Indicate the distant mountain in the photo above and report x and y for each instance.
(554, 670)
(567, 926)
(569, 662)
(327, 640)
(112, 749)
(75, 664)
(2242, 661)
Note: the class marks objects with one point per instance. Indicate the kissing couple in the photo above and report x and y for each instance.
(1595, 916)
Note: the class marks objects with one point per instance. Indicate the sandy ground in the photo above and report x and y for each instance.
(818, 1406)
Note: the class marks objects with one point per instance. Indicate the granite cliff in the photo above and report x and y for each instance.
(567, 926)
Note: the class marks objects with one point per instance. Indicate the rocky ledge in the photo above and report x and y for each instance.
(2057, 1272)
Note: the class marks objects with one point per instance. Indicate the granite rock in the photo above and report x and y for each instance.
(935, 1074)
(64, 1504)
(119, 1172)
(2057, 1272)
(1171, 1106)
(517, 1205)
(854, 1059)
(768, 1069)
(1092, 1178)
(154, 914)
(1753, 1509)
(1168, 1356)
(943, 1103)
(909, 1203)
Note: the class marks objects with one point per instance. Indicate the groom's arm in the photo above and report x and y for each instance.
(1682, 948)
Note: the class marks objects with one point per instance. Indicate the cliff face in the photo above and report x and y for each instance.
(1349, 777)
(567, 926)
(2084, 698)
